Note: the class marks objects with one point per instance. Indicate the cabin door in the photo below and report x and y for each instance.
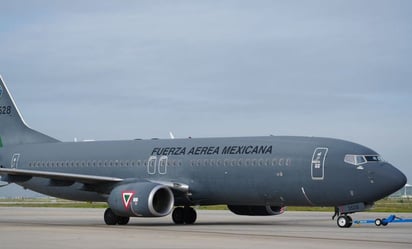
(318, 163)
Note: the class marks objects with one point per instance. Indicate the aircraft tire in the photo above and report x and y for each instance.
(186, 215)
(190, 215)
(344, 221)
(123, 220)
(349, 221)
(110, 218)
(178, 216)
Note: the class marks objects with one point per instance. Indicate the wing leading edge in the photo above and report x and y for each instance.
(87, 179)
(64, 179)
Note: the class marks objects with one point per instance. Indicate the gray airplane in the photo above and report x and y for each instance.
(153, 178)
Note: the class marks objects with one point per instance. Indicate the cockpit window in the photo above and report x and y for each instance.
(373, 158)
(351, 159)
(361, 159)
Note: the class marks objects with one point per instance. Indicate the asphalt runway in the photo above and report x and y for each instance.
(84, 228)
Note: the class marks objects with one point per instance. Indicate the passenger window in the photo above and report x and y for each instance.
(288, 161)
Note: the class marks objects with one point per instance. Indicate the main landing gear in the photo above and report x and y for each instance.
(184, 215)
(180, 215)
(112, 219)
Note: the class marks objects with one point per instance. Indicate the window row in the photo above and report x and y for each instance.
(242, 162)
(169, 162)
(97, 163)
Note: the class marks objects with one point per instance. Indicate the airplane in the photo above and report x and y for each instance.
(254, 176)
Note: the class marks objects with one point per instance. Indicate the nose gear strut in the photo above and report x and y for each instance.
(344, 220)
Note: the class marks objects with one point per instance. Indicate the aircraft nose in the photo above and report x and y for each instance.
(395, 179)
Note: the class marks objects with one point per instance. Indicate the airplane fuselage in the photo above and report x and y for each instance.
(236, 171)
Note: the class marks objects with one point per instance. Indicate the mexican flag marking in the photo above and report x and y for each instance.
(127, 197)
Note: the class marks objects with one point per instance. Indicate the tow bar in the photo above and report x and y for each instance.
(384, 221)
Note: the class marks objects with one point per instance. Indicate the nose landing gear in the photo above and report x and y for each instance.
(344, 221)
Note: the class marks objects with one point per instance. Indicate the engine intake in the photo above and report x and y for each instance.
(141, 199)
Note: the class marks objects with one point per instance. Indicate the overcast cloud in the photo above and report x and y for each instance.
(126, 69)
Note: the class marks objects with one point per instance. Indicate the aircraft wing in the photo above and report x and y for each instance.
(59, 178)
(87, 179)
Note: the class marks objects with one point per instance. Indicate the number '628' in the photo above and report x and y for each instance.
(5, 109)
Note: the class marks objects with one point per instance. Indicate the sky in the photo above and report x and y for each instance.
(109, 70)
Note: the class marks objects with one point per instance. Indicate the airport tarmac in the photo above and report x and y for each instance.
(84, 228)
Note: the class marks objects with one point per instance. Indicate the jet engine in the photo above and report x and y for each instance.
(141, 199)
(256, 210)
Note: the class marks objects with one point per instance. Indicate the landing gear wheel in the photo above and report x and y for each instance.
(186, 215)
(178, 216)
(110, 218)
(344, 221)
(190, 215)
(350, 221)
(122, 220)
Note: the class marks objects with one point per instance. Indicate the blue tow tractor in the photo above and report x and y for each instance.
(384, 221)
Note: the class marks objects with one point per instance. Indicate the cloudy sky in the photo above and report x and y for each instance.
(138, 69)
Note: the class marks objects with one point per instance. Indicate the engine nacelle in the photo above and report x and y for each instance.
(256, 210)
(141, 199)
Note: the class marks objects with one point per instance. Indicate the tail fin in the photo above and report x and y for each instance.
(13, 129)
